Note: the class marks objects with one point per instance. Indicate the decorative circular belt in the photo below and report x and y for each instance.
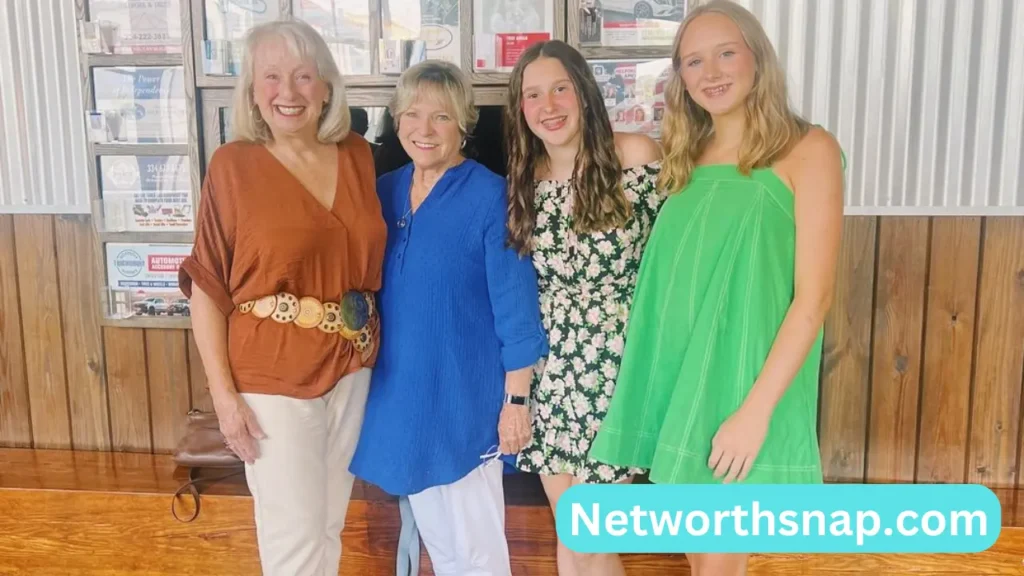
(355, 317)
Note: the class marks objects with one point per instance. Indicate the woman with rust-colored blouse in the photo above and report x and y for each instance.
(288, 252)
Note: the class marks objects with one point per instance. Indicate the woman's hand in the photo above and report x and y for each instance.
(239, 426)
(737, 443)
(514, 428)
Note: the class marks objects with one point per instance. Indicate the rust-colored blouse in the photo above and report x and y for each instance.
(259, 232)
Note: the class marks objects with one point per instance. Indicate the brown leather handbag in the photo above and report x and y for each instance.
(203, 447)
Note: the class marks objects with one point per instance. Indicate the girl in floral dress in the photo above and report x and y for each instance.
(582, 201)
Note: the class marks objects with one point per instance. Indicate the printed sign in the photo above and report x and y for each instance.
(146, 193)
(142, 279)
(630, 22)
(434, 22)
(634, 93)
(227, 22)
(142, 104)
(345, 25)
(135, 26)
(503, 29)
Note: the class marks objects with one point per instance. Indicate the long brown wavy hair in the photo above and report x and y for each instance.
(599, 202)
(772, 127)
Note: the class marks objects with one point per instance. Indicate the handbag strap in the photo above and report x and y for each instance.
(191, 488)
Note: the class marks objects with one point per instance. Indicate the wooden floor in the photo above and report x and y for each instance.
(95, 513)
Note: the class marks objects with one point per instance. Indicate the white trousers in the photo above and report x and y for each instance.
(300, 483)
(463, 524)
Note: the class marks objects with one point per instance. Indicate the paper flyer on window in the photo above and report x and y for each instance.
(435, 22)
(634, 93)
(142, 279)
(146, 193)
(503, 29)
(135, 26)
(344, 25)
(142, 104)
(630, 22)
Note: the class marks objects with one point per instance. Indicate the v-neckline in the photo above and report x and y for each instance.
(332, 210)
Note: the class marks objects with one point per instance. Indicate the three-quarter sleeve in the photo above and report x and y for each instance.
(515, 302)
(209, 264)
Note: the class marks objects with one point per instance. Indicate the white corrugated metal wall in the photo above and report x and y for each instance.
(43, 151)
(926, 97)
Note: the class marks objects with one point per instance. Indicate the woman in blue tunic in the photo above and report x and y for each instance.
(460, 333)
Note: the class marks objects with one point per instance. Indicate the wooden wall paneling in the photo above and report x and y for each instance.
(897, 350)
(15, 409)
(128, 386)
(41, 331)
(83, 339)
(200, 398)
(167, 368)
(846, 357)
(948, 349)
(999, 347)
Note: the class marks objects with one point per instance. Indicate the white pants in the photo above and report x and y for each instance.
(300, 483)
(463, 524)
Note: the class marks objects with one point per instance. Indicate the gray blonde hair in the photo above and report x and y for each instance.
(448, 82)
(304, 42)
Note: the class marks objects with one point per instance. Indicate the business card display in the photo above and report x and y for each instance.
(146, 193)
(140, 104)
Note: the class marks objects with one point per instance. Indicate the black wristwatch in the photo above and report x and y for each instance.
(518, 400)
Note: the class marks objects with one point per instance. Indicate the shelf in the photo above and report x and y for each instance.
(148, 237)
(625, 52)
(105, 60)
(132, 149)
(157, 322)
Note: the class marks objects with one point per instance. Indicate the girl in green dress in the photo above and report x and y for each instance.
(582, 202)
(719, 379)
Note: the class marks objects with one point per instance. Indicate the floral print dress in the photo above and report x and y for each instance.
(586, 287)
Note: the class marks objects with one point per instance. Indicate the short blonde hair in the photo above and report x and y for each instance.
(447, 82)
(305, 43)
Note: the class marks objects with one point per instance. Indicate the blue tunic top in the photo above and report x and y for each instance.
(458, 310)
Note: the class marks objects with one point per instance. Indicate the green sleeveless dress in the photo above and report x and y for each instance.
(714, 286)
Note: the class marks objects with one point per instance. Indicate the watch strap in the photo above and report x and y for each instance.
(518, 400)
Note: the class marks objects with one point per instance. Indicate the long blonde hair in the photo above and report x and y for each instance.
(772, 127)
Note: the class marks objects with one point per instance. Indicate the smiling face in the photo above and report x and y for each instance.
(429, 133)
(716, 65)
(288, 91)
(551, 106)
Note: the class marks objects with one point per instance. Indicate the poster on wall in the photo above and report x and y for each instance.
(630, 22)
(227, 22)
(146, 193)
(345, 25)
(634, 93)
(503, 29)
(140, 104)
(142, 279)
(133, 27)
(435, 23)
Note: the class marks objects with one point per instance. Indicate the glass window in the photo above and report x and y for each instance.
(503, 29)
(629, 22)
(345, 25)
(227, 22)
(146, 193)
(133, 27)
(634, 93)
(140, 104)
(435, 23)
